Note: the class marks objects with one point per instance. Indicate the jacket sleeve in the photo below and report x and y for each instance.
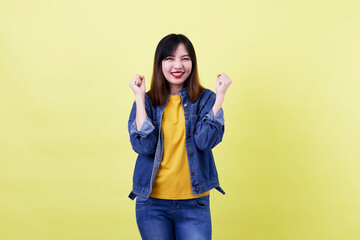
(143, 141)
(209, 129)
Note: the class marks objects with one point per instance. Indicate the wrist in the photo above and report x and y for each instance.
(219, 98)
(140, 96)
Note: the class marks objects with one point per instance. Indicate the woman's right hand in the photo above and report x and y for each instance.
(137, 84)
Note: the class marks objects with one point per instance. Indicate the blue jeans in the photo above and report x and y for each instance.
(160, 219)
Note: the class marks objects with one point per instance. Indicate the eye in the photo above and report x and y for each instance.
(168, 58)
(186, 59)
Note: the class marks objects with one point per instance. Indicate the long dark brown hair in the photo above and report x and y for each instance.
(160, 88)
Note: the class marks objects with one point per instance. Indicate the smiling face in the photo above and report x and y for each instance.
(177, 68)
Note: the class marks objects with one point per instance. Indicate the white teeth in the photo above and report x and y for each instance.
(177, 74)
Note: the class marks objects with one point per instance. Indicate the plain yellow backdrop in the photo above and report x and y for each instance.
(289, 160)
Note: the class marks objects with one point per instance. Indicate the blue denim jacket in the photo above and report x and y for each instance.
(203, 132)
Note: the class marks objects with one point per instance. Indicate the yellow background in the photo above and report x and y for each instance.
(289, 161)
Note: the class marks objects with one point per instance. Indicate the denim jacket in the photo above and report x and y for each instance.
(203, 132)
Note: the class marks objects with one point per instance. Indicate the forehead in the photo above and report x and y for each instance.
(181, 49)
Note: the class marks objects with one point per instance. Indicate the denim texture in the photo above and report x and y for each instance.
(203, 132)
(160, 219)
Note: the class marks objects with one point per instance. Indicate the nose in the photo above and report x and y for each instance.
(178, 63)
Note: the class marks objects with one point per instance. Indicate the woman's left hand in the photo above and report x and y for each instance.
(222, 84)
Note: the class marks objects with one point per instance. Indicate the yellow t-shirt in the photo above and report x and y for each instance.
(173, 177)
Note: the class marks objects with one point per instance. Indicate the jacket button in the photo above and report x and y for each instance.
(185, 105)
(196, 190)
(190, 154)
(186, 118)
(192, 173)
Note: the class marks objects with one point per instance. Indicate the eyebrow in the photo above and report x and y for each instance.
(187, 55)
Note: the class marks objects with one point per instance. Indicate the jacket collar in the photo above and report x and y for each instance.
(183, 92)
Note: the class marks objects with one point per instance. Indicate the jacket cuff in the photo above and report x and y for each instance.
(146, 128)
(218, 120)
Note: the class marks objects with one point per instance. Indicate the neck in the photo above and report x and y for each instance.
(174, 90)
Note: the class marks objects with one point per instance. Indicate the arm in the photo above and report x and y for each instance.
(210, 128)
(138, 86)
(222, 84)
(142, 132)
(140, 111)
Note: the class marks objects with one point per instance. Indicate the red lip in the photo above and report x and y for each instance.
(177, 76)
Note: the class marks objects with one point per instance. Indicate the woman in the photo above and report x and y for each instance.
(173, 128)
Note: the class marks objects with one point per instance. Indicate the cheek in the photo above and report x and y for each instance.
(163, 68)
(189, 67)
(166, 67)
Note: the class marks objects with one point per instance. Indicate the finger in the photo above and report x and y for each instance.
(136, 77)
(132, 85)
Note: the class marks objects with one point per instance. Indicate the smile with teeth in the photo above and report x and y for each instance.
(177, 74)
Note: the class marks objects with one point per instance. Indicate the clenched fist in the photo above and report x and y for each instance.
(137, 84)
(222, 84)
